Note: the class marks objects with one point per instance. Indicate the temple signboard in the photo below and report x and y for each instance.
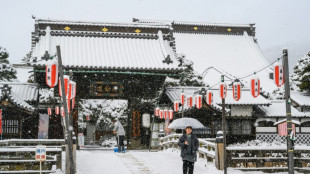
(112, 89)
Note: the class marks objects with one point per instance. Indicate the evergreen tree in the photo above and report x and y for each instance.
(7, 71)
(188, 76)
(301, 74)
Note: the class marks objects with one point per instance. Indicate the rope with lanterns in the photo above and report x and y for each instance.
(278, 73)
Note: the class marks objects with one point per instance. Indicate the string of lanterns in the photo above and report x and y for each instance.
(236, 89)
(52, 79)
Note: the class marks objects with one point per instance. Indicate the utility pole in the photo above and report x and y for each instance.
(224, 131)
(290, 147)
(69, 127)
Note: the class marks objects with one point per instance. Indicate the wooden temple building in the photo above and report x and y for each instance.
(131, 61)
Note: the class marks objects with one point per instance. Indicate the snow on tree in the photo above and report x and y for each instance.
(301, 74)
(102, 112)
(188, 76)
(7, 71)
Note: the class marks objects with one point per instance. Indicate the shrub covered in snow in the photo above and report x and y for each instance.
(7, 71)
(301, 74)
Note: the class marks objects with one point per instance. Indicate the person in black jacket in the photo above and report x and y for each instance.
(189, 146)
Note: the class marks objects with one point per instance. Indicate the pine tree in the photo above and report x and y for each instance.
(188, 76)
(7, 71)
(301, 74)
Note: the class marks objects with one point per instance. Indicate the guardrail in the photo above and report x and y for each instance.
(269, 159)
(18, 156)
(206, 146)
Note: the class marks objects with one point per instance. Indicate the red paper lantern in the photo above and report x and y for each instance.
(57, 110)
(68, 106)
(51, 73)
(223, 90)
(66, 84)
(72, 88)
(189, 102)
(161, 114)
(237, 91)
(255, 86)
(62, 111)
(157, 111)
(87, 118)
(49, 111)
(176, 106)
(0, 121)
(209, 97)
(183, 99)
(198, 101)
(278, 74)
(73, 103)
(170, 114)
(166, 113)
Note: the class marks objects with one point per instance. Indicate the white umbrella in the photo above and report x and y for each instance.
(181, 123)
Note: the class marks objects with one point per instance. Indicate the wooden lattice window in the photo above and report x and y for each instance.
(10, 126)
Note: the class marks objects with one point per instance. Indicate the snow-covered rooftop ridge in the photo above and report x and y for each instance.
(97, 23)
(284, 120)
(25, 91)
(150, 21)
(301, 98)
(278, 109)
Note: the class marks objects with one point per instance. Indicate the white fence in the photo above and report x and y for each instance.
(206, 146)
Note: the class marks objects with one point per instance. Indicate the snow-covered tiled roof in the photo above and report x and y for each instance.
(106, 50)
(302, 99)
(238, 55)
(19, 93)
(217, 52)
(246, 98)
(278, 109)
(24, 91)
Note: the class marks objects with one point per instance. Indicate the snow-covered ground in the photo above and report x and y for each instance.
(141, 162)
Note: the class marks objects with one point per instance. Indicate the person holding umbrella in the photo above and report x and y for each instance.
(189, 146)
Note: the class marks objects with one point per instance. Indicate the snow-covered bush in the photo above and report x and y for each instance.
(7, 71)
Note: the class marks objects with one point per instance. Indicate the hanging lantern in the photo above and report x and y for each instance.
(157, 111)
(198, 101)
(73, 103)
(66, 84)
(87, 117)
(278, 74)
(183, 99)
(166, 113)
(209, 97)
(51, 73)
(161, 114)
(0, 121)
(72, 88)
(255, 86)
(49, 111)
(57, 110)
(62, 111)
(223, 90)
(170, 114)
(189, 102)
(68, 106)
(176, 106)
(237, 91)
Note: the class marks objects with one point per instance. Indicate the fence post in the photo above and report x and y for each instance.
(219, 150)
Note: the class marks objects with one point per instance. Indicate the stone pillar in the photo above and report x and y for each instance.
(219, 151)
(74, 151)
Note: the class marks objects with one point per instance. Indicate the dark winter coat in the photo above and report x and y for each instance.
(189, 153)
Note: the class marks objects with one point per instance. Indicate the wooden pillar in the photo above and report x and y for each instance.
(219, 151)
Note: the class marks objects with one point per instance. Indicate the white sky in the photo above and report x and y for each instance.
(279, 23)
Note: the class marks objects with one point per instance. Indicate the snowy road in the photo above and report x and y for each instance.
(140, 162)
